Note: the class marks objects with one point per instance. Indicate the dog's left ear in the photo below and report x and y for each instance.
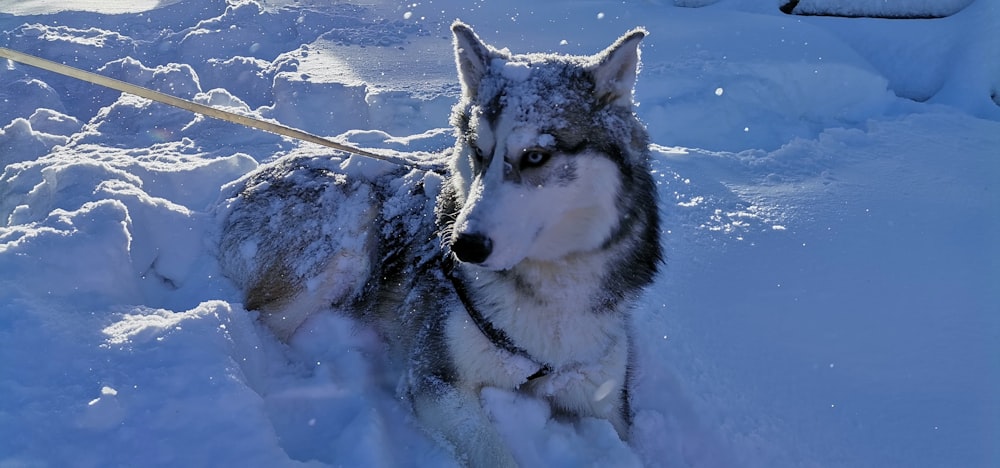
(472, 56)
(616, 68)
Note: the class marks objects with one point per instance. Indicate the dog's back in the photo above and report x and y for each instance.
(307, 233)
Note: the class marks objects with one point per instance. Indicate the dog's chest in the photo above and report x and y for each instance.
(560, 314)
(562, 328)
(557, 320)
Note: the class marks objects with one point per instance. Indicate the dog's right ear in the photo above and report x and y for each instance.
(472, 56)
(616, 69)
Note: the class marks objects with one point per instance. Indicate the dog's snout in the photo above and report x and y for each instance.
(472, 247)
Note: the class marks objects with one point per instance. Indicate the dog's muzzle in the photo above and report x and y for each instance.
(472, 247)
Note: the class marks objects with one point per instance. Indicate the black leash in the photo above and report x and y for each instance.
(498, 337)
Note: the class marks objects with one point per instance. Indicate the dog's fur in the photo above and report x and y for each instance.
(544, 230)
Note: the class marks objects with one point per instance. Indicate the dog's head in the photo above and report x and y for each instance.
(546, 148)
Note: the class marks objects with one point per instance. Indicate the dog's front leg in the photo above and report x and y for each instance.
(458, 416)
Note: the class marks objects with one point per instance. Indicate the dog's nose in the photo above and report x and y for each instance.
(472, 247)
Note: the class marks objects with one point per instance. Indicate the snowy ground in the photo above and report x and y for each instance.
(829, 187)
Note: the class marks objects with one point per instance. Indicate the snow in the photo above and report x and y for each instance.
(41, 7)
(829, 190)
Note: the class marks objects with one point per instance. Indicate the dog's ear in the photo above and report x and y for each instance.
(615, 69)
(472, 56)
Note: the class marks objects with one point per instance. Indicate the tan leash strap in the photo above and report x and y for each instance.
(188, 105)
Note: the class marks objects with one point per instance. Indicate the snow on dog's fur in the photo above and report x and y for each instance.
(515, 268)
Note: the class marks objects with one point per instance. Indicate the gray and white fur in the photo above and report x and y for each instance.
(514, 268)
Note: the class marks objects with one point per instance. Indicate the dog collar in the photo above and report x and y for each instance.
(498, 337)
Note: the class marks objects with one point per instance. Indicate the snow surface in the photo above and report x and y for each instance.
(830, 199)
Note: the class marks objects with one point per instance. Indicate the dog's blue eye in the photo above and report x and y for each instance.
(534, 158)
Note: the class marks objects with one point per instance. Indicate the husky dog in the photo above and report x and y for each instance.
(515, 267)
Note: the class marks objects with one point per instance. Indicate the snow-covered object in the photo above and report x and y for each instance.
(877, 9)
